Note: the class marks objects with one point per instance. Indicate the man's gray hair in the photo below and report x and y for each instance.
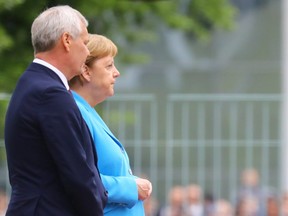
(48, 27)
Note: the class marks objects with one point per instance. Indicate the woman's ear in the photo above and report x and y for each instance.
(86, 73)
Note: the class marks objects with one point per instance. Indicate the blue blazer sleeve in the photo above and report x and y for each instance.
(121, 189)
(117, 180)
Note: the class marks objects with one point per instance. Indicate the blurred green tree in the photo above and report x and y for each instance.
(127, 22)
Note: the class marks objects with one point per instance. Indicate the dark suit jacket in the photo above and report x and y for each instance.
(50, 154)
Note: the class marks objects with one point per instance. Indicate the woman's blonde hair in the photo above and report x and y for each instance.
(99, 46)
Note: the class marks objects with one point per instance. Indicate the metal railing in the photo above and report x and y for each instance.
(203, 139)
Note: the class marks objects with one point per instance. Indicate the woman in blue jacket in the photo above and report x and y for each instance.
(126, 192)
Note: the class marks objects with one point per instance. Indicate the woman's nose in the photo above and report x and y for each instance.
(116, 72)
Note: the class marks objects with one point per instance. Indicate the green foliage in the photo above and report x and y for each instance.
(5, 39)
(127, 23)
(210, 14)
(3, 107)
(2, 154)
(8, 4)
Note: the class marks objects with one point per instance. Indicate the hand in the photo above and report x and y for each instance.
(144, 188)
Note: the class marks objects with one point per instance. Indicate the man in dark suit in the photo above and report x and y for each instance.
(50, 154)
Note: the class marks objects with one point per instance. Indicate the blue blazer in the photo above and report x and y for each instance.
(50, 153)
(114, 166)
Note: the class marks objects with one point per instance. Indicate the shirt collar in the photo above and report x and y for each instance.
(58, 72)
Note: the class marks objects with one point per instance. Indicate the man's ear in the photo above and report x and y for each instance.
(86, 73)
(66, 40)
